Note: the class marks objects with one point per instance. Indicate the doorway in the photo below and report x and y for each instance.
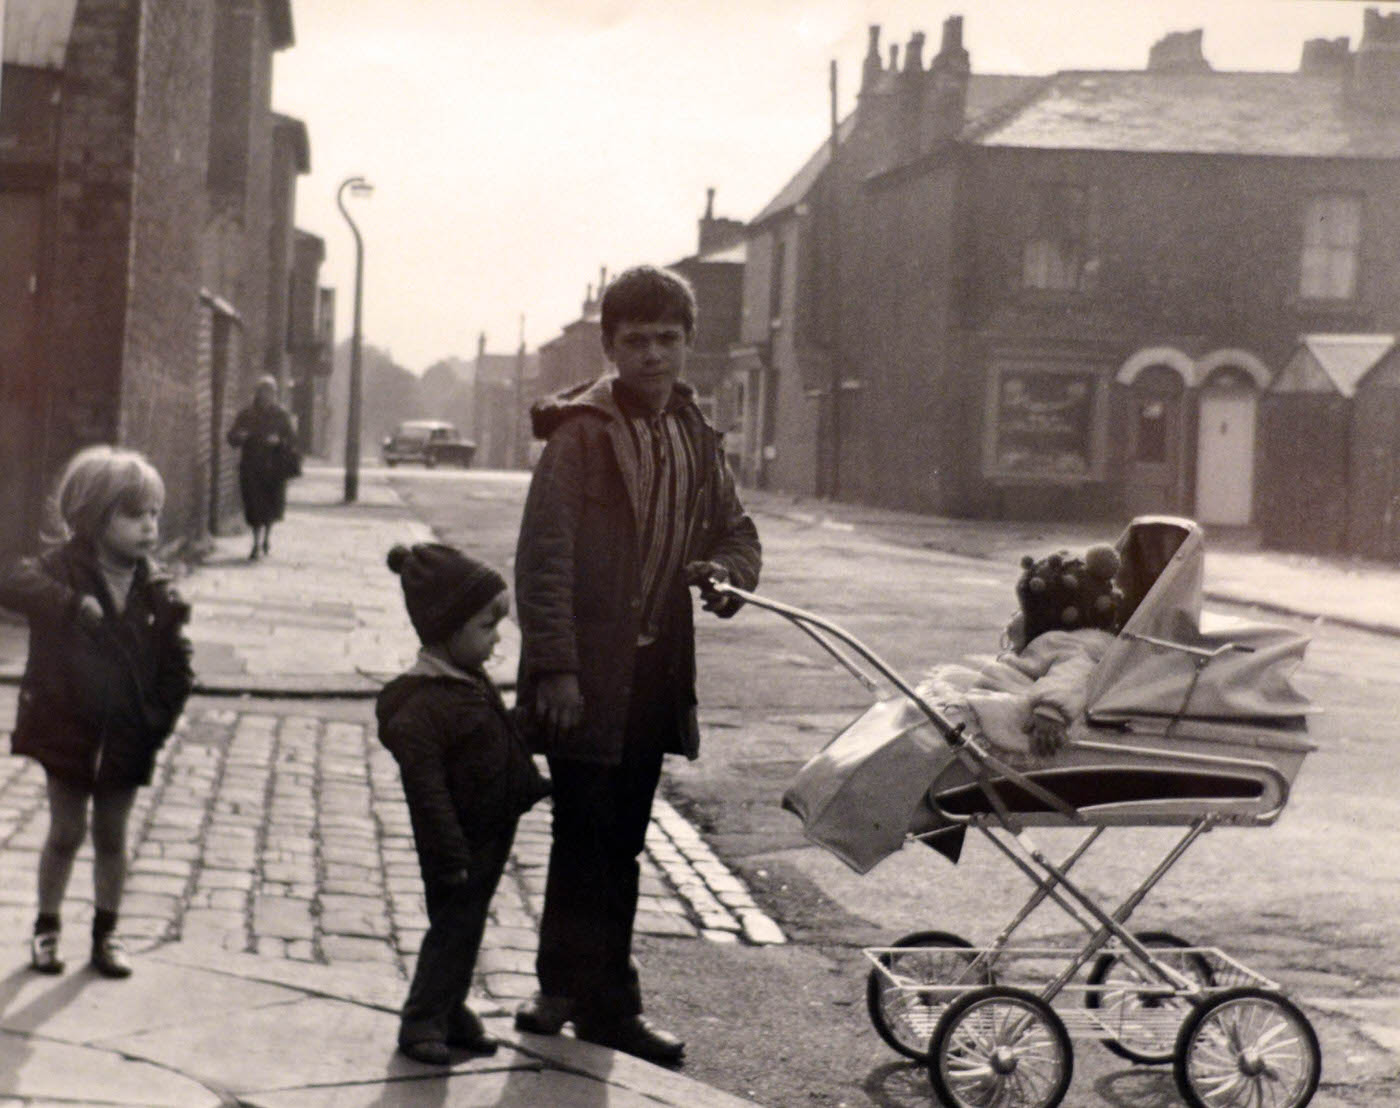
(22, 395)
(1225, 450)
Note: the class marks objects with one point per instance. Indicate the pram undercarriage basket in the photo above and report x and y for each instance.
(1186, 725)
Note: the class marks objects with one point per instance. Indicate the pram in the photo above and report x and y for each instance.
(1186, 724)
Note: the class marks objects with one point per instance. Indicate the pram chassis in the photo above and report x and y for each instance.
(985, 1014)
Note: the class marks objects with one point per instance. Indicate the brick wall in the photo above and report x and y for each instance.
(162, 393)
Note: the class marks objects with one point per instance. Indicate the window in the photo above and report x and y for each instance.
(1331, 247)
(1057, 253)
(1045, 422)
(776, 282)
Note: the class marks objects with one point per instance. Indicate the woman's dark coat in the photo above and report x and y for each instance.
(467, 774)
(97, 702)
(578, 565)
(268, 441)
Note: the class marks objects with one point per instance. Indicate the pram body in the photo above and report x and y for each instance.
(1188, 722)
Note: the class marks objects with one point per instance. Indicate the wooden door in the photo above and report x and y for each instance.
(1225, 456)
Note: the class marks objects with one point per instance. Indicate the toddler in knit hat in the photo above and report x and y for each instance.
(467, 778)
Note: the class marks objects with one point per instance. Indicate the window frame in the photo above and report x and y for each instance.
(1082, 235)
(1333, 250)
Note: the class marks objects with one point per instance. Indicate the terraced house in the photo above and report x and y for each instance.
(999, 295)
(146, 245)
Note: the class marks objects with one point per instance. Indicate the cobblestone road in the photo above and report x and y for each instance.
(284, 833)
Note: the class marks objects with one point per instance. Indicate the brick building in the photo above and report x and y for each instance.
(502, 384)
(1083, 283)
(147, 192)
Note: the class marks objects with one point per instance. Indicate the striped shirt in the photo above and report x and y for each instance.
(668, 490)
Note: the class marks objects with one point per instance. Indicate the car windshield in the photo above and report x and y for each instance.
(414, 431)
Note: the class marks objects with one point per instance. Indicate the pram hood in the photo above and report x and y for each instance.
(1162, 573)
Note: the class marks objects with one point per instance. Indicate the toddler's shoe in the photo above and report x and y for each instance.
(109, 957)
(43, 952)
(431, 1052)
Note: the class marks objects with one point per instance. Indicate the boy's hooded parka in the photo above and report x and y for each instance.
(578, 572)
(97, 703)
(467, 773)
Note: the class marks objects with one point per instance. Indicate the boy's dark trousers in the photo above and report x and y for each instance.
(456, 921)
(601, 814)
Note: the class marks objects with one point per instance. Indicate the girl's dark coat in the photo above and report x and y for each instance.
(97, 703)
(467, 774)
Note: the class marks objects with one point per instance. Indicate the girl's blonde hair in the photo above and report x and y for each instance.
(95, 483)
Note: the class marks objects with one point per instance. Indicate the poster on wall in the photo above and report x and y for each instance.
(1043, 422)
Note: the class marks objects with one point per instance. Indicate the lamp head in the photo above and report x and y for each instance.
(360, 187)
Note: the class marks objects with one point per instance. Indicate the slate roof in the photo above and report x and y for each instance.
(1278, 114)
(987, 95)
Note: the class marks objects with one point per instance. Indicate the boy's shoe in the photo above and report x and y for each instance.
(636, 1036)
(431, 1052)
(109, 957)
(468, 1033)
(543, 1014)
(43, 952)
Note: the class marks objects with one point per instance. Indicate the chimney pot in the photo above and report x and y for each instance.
(709, 203)
(894, 57)
(914, 53)
(952, 34)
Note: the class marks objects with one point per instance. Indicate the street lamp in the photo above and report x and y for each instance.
(358, 186)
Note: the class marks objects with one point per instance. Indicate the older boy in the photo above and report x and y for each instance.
(630, 501)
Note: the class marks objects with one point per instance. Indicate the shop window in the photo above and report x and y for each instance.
(1058, 253)
(1331, 247)
(1045, 423)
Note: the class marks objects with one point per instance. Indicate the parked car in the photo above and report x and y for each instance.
(429, 441)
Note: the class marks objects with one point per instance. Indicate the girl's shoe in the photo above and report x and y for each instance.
(43, 952)
(109, 957)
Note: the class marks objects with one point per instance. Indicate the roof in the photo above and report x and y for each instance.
(802, 181)
(279, 15)
(1344, 360)
(1276, 114)
(987, 94)
(736, 252)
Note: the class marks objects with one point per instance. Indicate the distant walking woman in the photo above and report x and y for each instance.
(265, 434)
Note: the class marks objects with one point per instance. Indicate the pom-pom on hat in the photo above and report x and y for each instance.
(1064, 593)
(442, 587)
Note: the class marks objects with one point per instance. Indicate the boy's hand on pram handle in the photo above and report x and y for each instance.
(1048, 732)
(705, 576)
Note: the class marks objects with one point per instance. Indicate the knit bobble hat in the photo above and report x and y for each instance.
(1064, 593)
(442, 587)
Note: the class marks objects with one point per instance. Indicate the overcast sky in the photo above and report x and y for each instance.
(518, 145)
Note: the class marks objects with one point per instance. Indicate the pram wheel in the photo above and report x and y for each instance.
(1247, 1046)
(905, 1016)
(1144, 1029)
(1000, 1046)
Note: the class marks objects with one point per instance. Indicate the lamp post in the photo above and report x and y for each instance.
(358, 186)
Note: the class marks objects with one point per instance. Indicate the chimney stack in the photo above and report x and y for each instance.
(1376, 83)
(945, 94)
(914, 54)
(1178, 52)
(870, 71)
(1324, 57)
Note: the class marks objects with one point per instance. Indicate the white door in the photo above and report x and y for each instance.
(1225, 458)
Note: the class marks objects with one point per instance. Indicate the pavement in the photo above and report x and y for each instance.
(274, 906)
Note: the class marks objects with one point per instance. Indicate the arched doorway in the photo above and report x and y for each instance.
(1153, 413)
(1225, 448)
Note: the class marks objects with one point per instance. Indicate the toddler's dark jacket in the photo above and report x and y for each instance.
(97, 703)
(467, 774)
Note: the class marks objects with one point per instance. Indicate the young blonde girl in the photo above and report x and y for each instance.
(107, 676)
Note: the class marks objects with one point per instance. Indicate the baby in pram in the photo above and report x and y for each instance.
(1023, 700)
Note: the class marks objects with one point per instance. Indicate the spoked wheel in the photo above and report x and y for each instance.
(904, 1017)
(999, 1047)
(1144, 1028)
(1247, 1047)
